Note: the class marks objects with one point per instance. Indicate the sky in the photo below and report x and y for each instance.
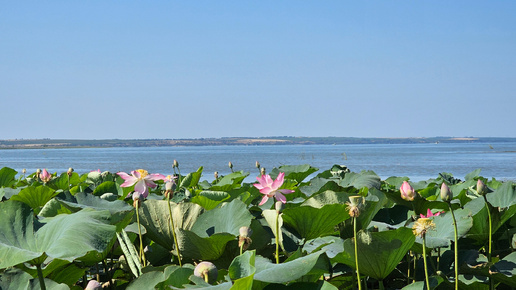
(203, 69)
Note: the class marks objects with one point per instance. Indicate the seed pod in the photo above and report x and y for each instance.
(207, 271)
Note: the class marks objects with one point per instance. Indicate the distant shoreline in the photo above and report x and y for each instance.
(230, 141)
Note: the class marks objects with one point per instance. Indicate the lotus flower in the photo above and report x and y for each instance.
(271, 188)
(45, 176)
(429, 214)
(141, 180)
(407, 192)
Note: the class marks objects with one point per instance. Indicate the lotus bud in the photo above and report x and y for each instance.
(93, 285)
(244, 239)
(230, 165)
(216, 175)
(175, 164)
(355, 205)
(70, 171)
(136, 199)
(170, 187)
(45, 176)
(481, 187)
(207, 271)
(38, 173)
(407, 191)
(257, 164)
(446, 194)
(279, 206)
(24, 171)
(262, 171)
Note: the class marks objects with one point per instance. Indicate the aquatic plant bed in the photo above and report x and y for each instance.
(295, 227)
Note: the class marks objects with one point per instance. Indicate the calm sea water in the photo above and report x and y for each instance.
(417, 161)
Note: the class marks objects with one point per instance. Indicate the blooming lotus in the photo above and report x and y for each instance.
(407, 191)
(270, 188)
(141, 180)
(429, 214)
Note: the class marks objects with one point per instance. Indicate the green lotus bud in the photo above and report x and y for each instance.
(175, 164)
(207, 271)
(230, 165)
(24, 170)
(262, 171)
(481, 187)
(257, 164)
(446, 194)
(216, 175)
(70, 171)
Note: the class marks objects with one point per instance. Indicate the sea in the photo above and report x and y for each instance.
(416, 161)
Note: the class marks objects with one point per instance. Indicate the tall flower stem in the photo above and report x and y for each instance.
(425, 263)
(356, 252)
(277, 236)
(173, 229)
(41, 278)
(142, 254)
(490, 229)
(455, 248)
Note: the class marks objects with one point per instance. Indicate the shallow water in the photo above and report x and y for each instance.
(417, 161)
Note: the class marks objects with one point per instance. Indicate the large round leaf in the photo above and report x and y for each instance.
(227, 218)
(311, 222)
(66, 237)
(378, 253)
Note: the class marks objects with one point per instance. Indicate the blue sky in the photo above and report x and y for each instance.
(193, 69)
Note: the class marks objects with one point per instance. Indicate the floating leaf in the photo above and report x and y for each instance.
(284, 272)
(294, 172)
(210, 199)
(367, 179)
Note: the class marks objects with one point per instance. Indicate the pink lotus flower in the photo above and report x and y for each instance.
(45, 176)
(429, 214)
(141, 180)
(270, 188)
(407, 192)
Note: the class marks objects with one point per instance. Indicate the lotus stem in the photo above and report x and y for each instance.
(142, 254)
(173, 230)
(40, 277)
(490, 230)
(425, 263)
(455, 248)
(178, 176)
(277, 236)
(380, 284)
(356, 252)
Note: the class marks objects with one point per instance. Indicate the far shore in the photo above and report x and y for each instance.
(284, 140)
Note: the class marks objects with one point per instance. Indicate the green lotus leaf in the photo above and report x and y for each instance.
(8, 192)
(505, 270)
(210, 199)
(378, 253)
(444, 231)
(62, 181)
(284, 272)
(155, 217)
(294, 172)
(227, 218)
(35, 196)
(503, 197)
(321, 285)
(312, 222)
(230, 181)
(7, 176)
(14, 279)
(106, 187)
(480, 228)
(195, 247)
(242, 270)
(176, 276)
(367, 179)
(65, 237)
(191, 179)
(319, 185)
(325, 198)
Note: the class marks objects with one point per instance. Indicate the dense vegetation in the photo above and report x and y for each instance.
(337, 230)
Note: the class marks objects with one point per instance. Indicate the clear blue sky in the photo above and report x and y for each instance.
(192, 69)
